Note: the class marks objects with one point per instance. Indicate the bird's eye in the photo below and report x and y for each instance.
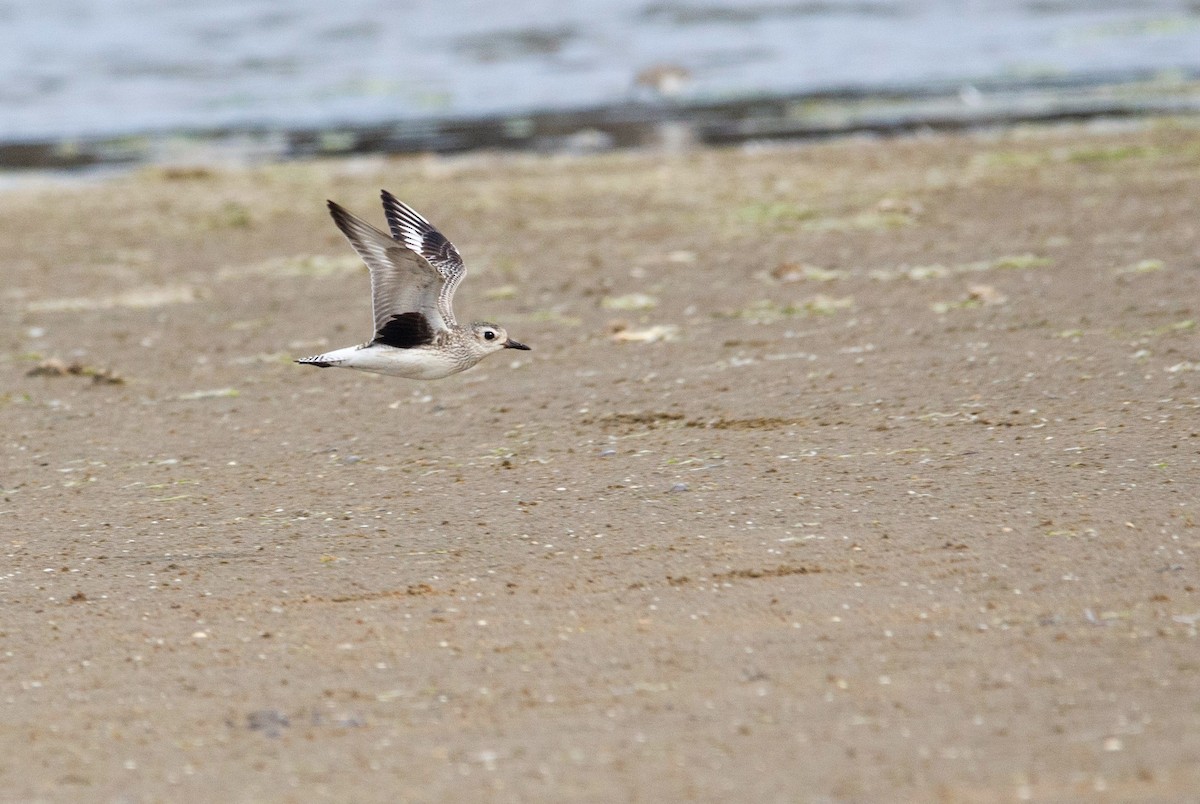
(489, 335)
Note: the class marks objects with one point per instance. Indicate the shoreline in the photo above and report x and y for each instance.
(661, 124)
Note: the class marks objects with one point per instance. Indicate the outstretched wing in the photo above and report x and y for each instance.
(418, 234)
(402, 280)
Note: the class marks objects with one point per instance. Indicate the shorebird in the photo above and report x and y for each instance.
(414, 273)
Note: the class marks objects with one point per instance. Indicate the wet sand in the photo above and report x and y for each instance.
(859, 471)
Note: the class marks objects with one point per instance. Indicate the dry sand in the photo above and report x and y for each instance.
(890, 494)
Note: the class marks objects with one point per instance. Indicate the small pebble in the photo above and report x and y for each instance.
(679, 487)
(270, 722)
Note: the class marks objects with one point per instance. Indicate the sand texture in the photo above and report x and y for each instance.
(858, 471)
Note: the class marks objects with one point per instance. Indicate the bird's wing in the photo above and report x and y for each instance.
(418, 234)
(402, 281)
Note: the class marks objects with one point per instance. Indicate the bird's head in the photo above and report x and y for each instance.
(493, 338)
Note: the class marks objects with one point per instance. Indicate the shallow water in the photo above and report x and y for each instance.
(87, 68)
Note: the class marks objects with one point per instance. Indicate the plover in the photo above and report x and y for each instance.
(414, 272)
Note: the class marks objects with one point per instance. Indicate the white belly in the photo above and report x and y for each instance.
(415, 364)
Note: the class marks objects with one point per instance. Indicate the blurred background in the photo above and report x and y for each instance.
(83, 81)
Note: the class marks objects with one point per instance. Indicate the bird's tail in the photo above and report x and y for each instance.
(320, 361)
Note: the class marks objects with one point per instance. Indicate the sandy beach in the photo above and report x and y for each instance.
(858, 471)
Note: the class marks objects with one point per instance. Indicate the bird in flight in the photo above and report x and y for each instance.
(414, 273)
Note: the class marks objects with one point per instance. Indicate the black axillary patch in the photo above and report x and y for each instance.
(404, 331)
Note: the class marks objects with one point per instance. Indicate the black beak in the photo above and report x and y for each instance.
(511, 344)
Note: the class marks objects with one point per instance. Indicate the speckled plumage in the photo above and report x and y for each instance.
(414, 273)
